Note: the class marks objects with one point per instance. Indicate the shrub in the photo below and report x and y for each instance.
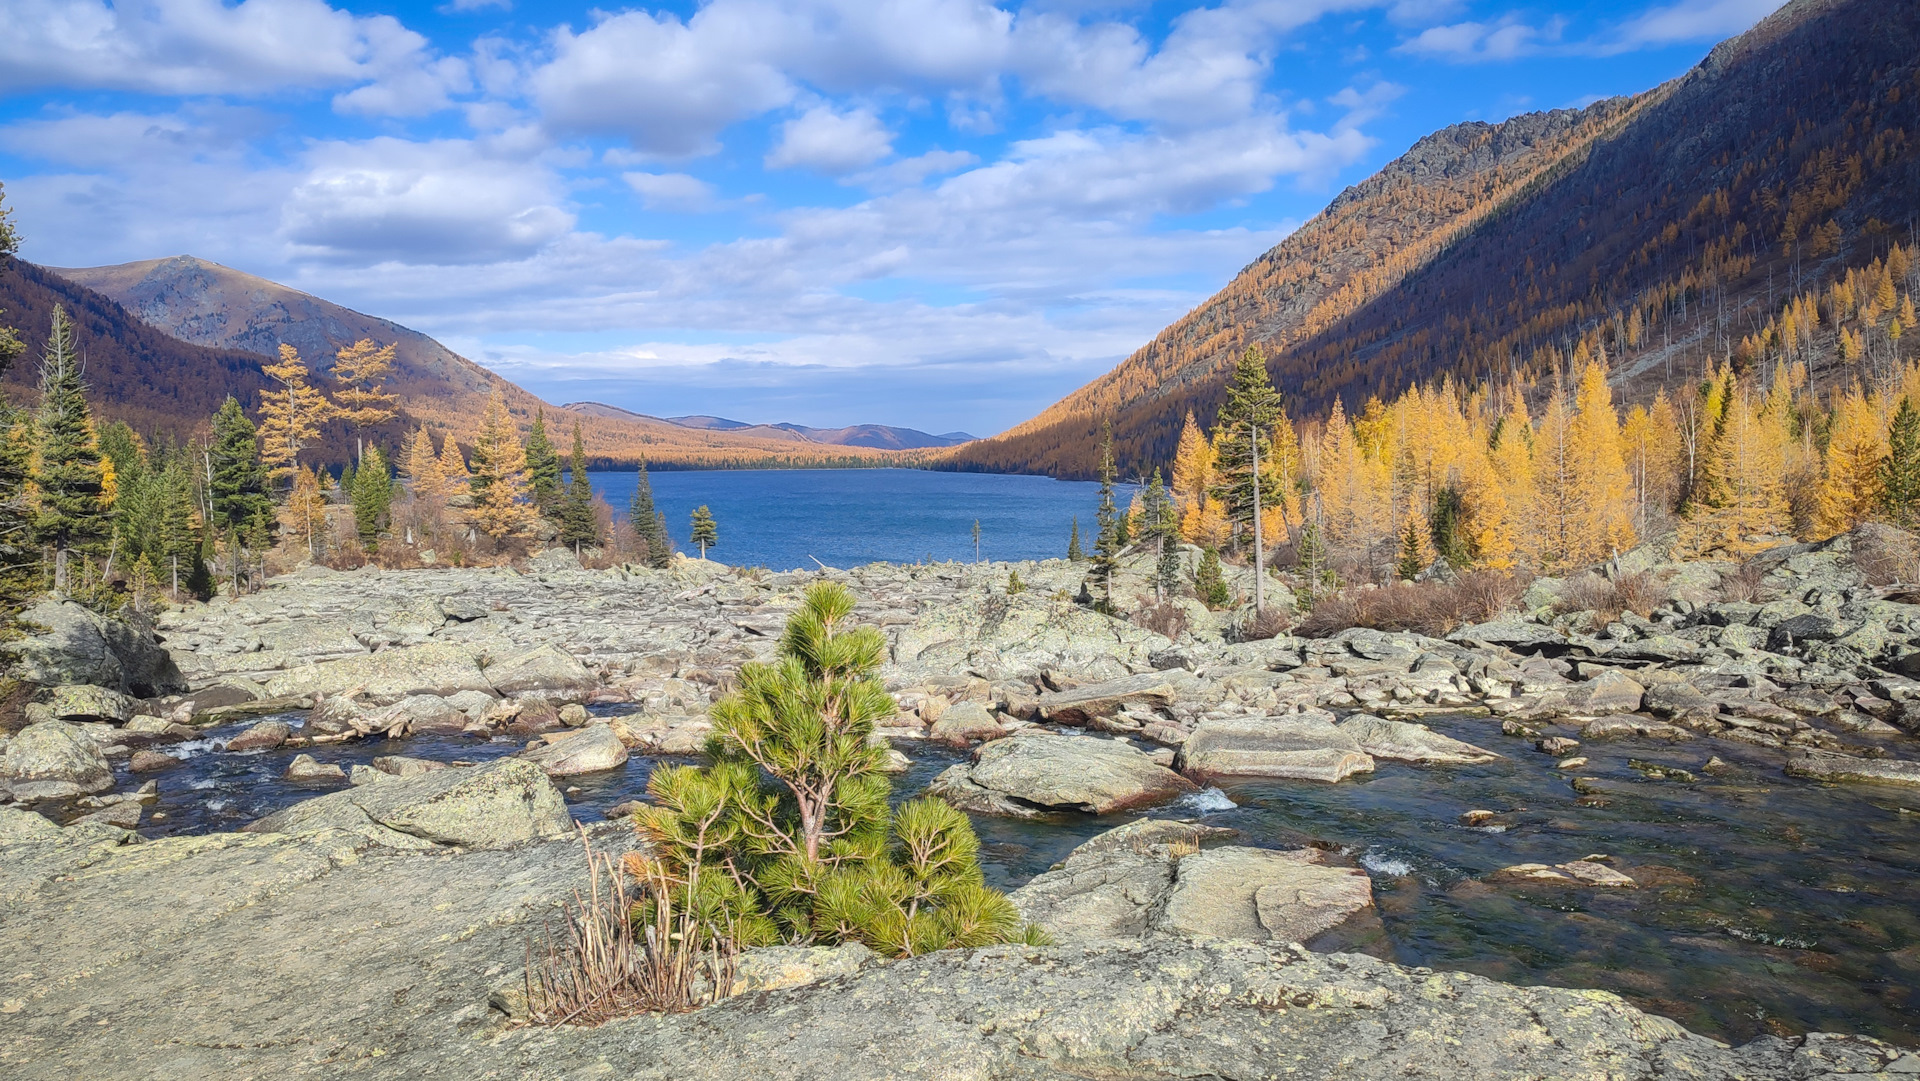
(1167, 620)
(1432, 608)
(1742, 584)
(1015, 586)
(1273, 622)
(788, 836)
(1885, 555)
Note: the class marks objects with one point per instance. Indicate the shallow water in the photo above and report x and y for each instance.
(1768, 903)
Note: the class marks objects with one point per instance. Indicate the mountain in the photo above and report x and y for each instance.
(155, 382)
(1788, 154)
(875, 436)
(234, 314)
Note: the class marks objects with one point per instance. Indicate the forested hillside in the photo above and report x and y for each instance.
(1661, 232)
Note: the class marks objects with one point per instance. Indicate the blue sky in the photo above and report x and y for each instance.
(937, 213)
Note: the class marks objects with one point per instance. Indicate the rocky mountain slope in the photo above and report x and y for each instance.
(874, 436)
(1787, 154)
(217, 307)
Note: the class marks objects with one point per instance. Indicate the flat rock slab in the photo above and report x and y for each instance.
(53, 760)
(1588, 872)
(593, 749)
(387, 676)
(497, 805)
(329, 956)
(1306, 749)
(1082, 704)
(1034, 772)
(1403, 741)
(1260, 895)
(1830, 766)
(1113, 885)
(548, 671)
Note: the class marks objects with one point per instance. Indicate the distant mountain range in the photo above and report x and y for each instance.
(874, 436)
(168, 339)
(1789, 154)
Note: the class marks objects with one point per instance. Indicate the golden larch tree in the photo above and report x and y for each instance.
(290, 414)
(1741, 498)
(502, 505)
(1850, 487)
(362, 397)
(1603, 503)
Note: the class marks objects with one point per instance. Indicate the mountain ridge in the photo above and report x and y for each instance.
(1488, 251)
(874, 436)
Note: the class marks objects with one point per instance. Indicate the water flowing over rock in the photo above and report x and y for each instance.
(1032, 772)
(505, 803)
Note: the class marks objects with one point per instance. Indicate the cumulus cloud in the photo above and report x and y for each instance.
(197, 46)
(435, 203)
(1690, 20)
(830, 142)
(672, 191)
(1470, 42)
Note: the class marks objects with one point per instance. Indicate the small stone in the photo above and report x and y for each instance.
(151, 762)
(264, 736)
(1576, 762)
(305, 769)
(1476, 818)
(1557, 745)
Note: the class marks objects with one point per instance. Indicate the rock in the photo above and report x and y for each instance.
(1609, 728)
(781, 968)
(472, 703)
(397, 765)
(19, 826)
(1513, 634)
(497, 805)
(1590, 871)
(1680, 702)
(336, 715)
(1260, 895)
(1291, 748)
(545, 671)
(553, 560)
(75, 646)
(54, 760)
(1789, 633)
(1400, 741)
(1081, 705)
(437, 668)
(124, 815)
(964, 722)
(593, 749)
(1556, 745)
(425, 713)
(1832, 766)
(1032, 772)
(151, 762)
(1112, 885)
(574, 715)
(1476, 818)
(85, 702)
(1576, 762)
(304, 769)
(1608, 692)
(264, 736)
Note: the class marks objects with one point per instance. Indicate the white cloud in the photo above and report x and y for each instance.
(911, 172)
(1364, 105)
(197, 46)
(672, 191)
(1468, 42)
(433, 203)
(829, 142)
(1690, 20)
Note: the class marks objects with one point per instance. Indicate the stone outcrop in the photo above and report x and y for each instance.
(1293, 748)
(547, 671)
(53, 760)
(68, 644)
(592, 749)
(1033, 772)
(387, 676)
(504, 803)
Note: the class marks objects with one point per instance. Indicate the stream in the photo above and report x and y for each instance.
(1768, 904)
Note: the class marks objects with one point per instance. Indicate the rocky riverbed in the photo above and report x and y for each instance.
(1708, 809)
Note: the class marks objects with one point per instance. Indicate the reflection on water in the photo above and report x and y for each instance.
(1767, 904)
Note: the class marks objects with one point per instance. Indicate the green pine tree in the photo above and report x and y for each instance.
(1900, 469)
(1312, 553)
(1410, 565)
(1015, 586)
(1447, 526)
(788, 835)
(1160, 526)
(543, 467)
(237, 482)
(1242, 428)
(1109, 540)
(372, 497)
(11, 347)
(1074, 551)
(579, 527)
(71, 515)
(648, 524)
(1210, 582)
(19, 555)
(705, 533)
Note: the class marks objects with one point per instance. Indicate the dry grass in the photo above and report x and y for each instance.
(1166, 620)
(1885, 555)
(1434, 609)
(1639, 593)
(1260, 626)
(600, 967)
(1742, 585)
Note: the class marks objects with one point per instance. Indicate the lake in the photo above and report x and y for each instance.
(784, 519)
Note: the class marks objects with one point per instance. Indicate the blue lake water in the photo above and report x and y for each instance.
(784, 519)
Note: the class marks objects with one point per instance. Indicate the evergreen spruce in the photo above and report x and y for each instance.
(1108, 541)
(579, 526)
(1900, 469)
(1074, 551)
(71, 514)
(237, 482)
(1312, 552)
(1447, 525)
(1244, 482)
(372, 496)
(11, 347)
(648, 524)
(19, 555)
(1210, 582)
(543, 467)
(1410, 565)
(705, 533)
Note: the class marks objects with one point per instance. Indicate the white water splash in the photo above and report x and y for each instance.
(1381, 864)
(1207, 801)
(194, 748)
